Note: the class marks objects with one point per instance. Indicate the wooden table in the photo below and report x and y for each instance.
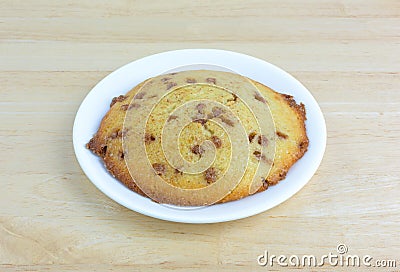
(52, 53)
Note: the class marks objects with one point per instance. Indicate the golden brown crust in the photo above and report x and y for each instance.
(107, 142)
(295, 130)
(291, 144)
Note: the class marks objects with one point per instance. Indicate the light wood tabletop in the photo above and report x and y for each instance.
(52, 218)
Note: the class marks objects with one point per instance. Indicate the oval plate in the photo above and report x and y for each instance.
(97, 102)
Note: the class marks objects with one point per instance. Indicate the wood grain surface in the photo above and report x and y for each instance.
(347, 53)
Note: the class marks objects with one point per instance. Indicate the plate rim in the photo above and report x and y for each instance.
(189, 216)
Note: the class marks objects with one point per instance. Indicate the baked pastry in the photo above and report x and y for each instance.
(288, 138)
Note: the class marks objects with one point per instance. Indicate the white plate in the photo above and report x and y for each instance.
(97, 102)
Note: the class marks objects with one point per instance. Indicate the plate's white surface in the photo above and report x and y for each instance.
(97, 102)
